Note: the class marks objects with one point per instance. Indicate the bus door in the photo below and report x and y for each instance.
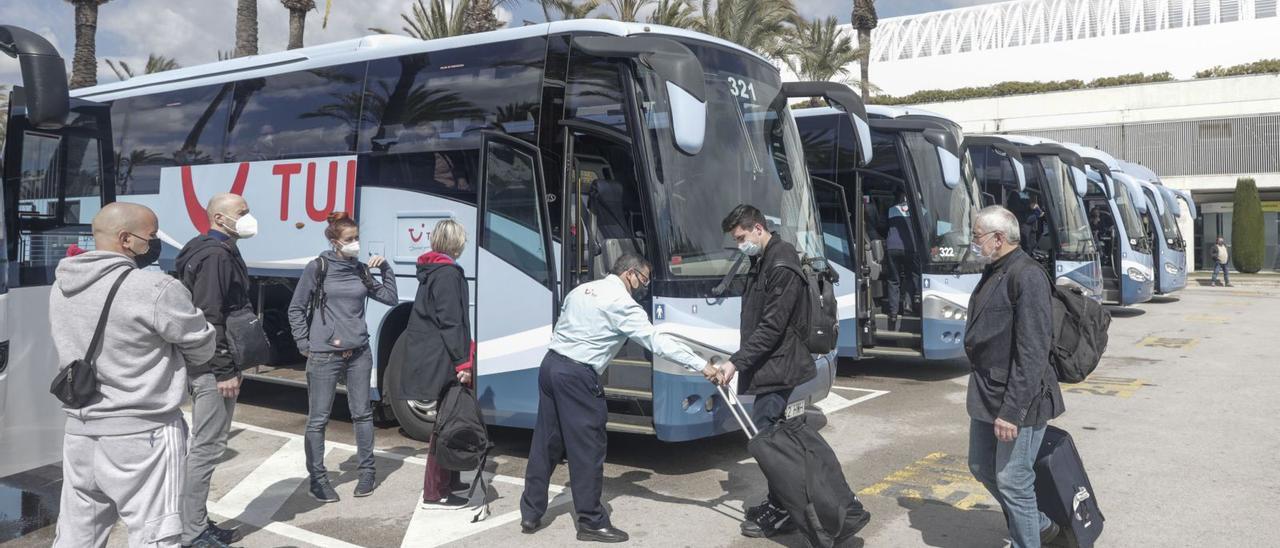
(603, 219)
(841, 246)
(53, 185)
(514, 294)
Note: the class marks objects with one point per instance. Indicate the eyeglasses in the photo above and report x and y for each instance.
(644, 280)
(978, 237)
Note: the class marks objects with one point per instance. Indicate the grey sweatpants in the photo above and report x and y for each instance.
(210, 422)
(136, 478)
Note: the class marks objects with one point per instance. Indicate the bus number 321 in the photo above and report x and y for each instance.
(742, 89)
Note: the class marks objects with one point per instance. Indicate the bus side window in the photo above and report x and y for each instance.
(59, 192)
(511, 220)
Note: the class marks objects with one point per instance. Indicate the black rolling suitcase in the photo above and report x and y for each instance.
(805, 476)
(1063, 490)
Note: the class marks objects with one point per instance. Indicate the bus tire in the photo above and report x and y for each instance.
(416, 418)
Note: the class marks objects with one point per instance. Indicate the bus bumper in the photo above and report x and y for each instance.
(942, 339)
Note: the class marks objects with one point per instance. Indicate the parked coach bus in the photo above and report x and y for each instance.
(558, 146)
(1124, 250)
(1057, 234)
(1162, 223)
(917, 153)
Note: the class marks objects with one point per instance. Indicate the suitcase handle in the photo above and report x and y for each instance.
(739, 411)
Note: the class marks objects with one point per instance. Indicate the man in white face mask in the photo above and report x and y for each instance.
(211, 267)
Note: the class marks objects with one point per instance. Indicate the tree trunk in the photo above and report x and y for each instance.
(246, 28)
(84, 66)
(864, 42)
(297, 22)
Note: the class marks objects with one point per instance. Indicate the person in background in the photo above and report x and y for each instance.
(211, 267)
(902, 272)
(328, 323)
(595, 320)
(1220, 256)
(123, 453)
(1013, 390)
(438, 348)
(771, 355)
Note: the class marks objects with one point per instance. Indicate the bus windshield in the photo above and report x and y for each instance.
(1172, 232)
(946, 213)
(1129, 214)
(751, 154)
(1074, 233)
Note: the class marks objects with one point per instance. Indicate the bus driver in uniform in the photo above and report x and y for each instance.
(595, 321)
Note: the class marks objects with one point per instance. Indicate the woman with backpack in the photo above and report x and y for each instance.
(327, 319)
(438, 351)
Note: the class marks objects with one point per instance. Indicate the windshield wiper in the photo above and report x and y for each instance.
(720, 288)
(746, 139)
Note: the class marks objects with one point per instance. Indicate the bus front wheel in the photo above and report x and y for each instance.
(416, 417)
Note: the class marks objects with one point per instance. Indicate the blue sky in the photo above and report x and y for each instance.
(193, 31)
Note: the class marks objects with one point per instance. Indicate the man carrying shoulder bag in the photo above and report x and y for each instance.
(210, 266)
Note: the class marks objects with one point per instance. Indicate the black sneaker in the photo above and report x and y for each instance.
(1049, 534)
(451, 502)
(459, 486)
(769, 522)
(322, 491)
(208, 539)
(754, 512)
(366, 485)
(227, 536)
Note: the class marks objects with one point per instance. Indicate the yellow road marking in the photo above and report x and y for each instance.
(938, 477)
(1167, 342)
(1106, 386)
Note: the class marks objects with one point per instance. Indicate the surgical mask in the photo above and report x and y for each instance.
(245, 227)
(749, 248)
(640, 293)
(350, 249)
(150, 255)
(975, 248)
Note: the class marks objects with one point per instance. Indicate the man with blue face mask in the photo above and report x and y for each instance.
(211, 267)
(771, 356)
(1013, 391)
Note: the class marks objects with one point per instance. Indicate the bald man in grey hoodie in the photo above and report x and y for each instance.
(123, 454)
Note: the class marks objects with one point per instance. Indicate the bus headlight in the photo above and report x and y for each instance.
(1136, 275)
(1170, 268)
(938, 308)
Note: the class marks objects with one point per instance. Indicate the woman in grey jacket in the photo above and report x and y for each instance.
(328, 324)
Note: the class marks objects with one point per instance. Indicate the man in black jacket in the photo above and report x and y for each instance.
(1013, 390)
(211, 267)
(771, 356)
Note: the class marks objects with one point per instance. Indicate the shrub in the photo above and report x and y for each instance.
(1265, 66)
(1247, 236)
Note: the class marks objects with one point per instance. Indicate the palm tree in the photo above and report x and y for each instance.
(760, 25)
(84, 66)
(155, 63)
(569, 9)
(865, 20)
(246, 27)
(481, 16)
(629, 10)
(820, 50)
(297, 19)
(674, 13)
(440, 20)
(4, 120)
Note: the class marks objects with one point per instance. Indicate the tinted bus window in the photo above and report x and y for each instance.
(296, 114)
(174, 128)
(425, 113)
(595, 91)
(511, 227)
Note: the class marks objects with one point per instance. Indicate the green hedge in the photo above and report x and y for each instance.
(1265, 66)
(1004, 89)
(1247, 236)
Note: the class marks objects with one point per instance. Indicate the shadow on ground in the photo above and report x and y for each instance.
(907, 369)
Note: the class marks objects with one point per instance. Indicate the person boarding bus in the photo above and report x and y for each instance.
(595, 321)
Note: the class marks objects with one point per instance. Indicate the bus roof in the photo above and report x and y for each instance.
(887, 111)
(1139, 171)
(377, 46)
(1095, 154)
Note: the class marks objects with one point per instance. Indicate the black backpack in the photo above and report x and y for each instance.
(821, 329)
(318, 295)
(1079, 330)
(461, 440)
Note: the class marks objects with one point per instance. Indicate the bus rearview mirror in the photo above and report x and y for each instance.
(947, 147)
(44, 76)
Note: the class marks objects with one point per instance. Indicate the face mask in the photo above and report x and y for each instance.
(350, 249)
(149, 257)
(246, 226)
(641, 290)
(749, 248)
(975, 248)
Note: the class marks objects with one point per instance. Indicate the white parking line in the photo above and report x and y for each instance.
(259, 496)
(835, 402)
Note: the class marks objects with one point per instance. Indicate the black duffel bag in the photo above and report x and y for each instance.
(805, 477)
(246, 340)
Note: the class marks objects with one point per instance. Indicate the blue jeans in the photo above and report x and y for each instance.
(1225, 276)
(1007, 470)
(324, 369)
